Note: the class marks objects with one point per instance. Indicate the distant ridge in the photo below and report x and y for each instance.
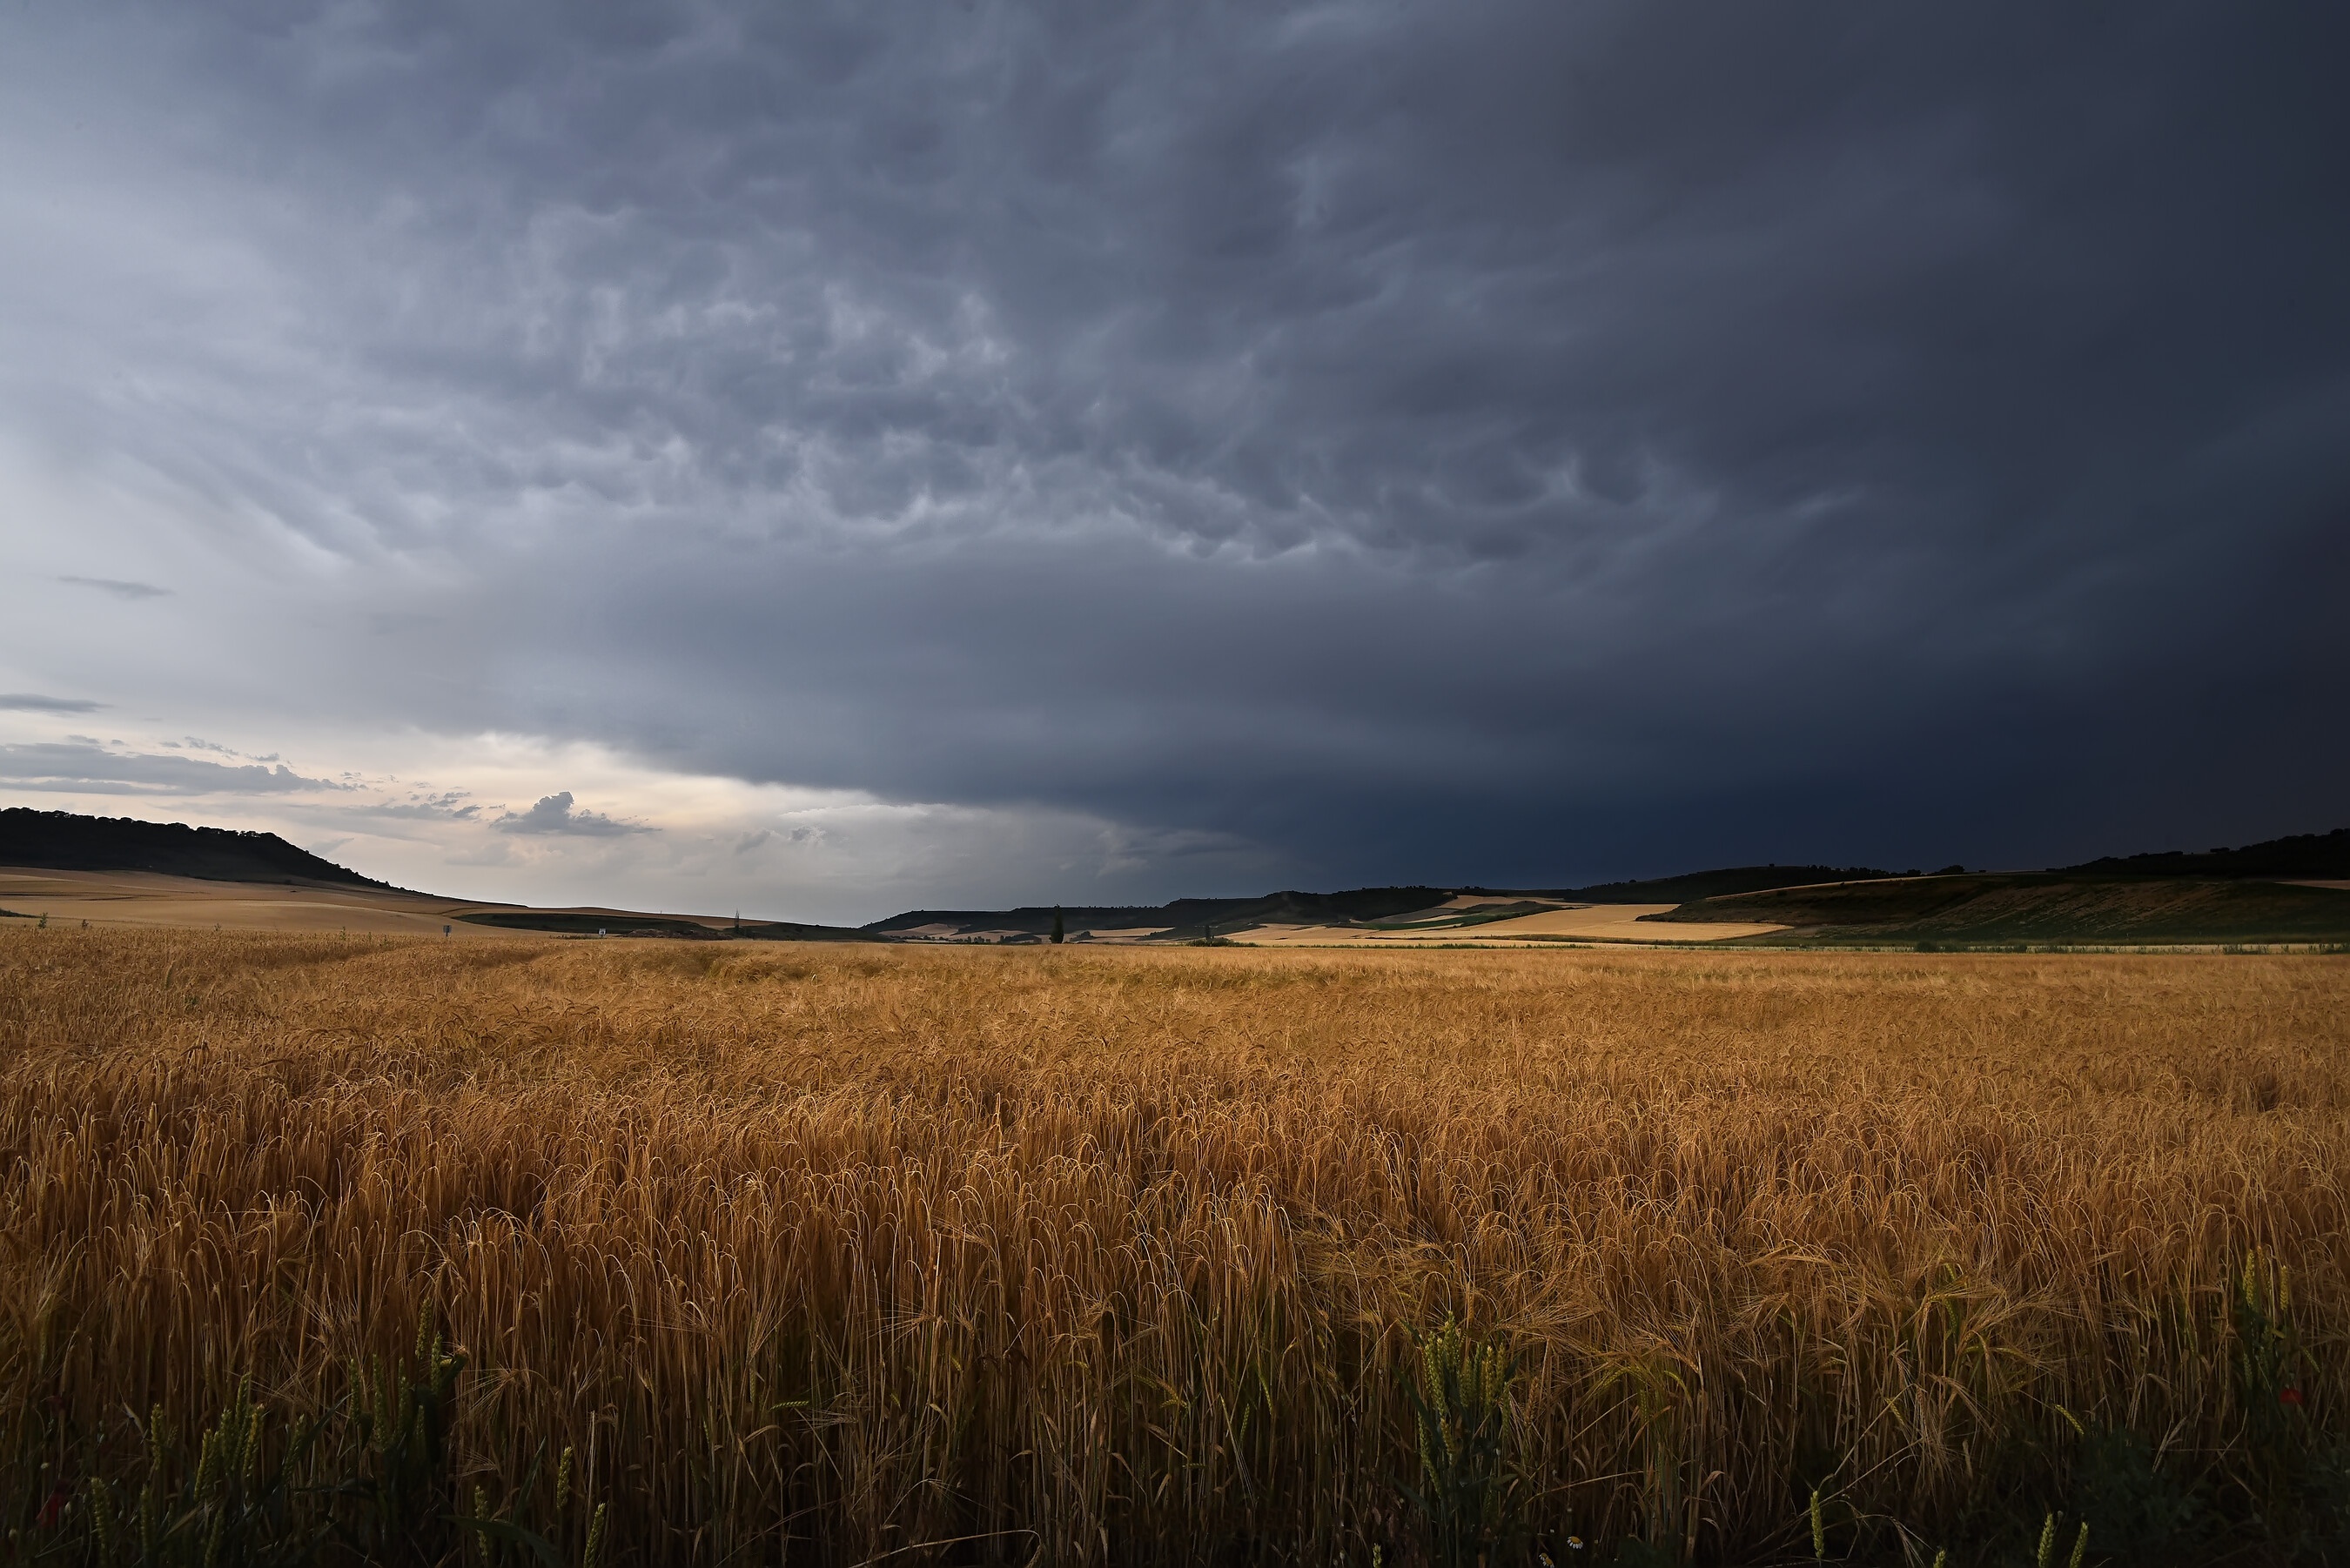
(1721, 884)
(2215, 895)
(2311, 855)
(625, 923)
(65, 841)
(1290, 908)
(1371, 908)
(2171, 896)
(2036, 907)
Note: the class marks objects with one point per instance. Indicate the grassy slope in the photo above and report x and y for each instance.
(1724, 882)
(2042, 907)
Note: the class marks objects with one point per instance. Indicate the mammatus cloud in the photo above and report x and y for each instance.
(119, 588)
(1522, 444)
(553, 814)
(32, 703)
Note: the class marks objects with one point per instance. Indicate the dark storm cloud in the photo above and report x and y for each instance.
(1498, 440)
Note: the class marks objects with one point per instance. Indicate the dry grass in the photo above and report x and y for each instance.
(856, 1249)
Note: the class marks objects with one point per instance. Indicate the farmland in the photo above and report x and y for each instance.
(829, 1254)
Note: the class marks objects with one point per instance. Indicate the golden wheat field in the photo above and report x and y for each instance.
(851, 1254)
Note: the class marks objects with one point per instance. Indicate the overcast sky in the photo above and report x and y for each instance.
(825, 461)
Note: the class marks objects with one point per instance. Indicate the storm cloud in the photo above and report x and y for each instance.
(1517, 443)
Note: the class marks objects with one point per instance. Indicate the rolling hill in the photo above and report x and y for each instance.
(625, 923)
(2037, 907)
(2305, 854)
(2257, 893)
(1378, 907)
(1718, 884)
(1186, 916)
(64, 841)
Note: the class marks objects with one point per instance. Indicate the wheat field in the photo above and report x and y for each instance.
(835, 1254)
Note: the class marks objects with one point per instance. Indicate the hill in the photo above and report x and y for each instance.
(2312, 854)
(625, 923)
(1718, 884)
(2039, 907)
(1183, 916)
(64, 841)
(1383, 908)
(2211, 895)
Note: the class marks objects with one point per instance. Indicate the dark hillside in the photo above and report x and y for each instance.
(1183, 914)
(63, 841)
(588, 923)
(623, 923)
(2050, 907)
(1296, 908)
(2312, 855)
(1718, 884)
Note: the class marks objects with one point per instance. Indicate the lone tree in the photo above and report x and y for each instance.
(1058, 933)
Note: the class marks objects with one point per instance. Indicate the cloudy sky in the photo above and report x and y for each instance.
(827, 460)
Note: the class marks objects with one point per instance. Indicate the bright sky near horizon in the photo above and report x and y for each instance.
(825, 460)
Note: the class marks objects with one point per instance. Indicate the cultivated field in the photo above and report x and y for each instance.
(829, 1254)
(1587, 922)
(115, 899)
(108, 900)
